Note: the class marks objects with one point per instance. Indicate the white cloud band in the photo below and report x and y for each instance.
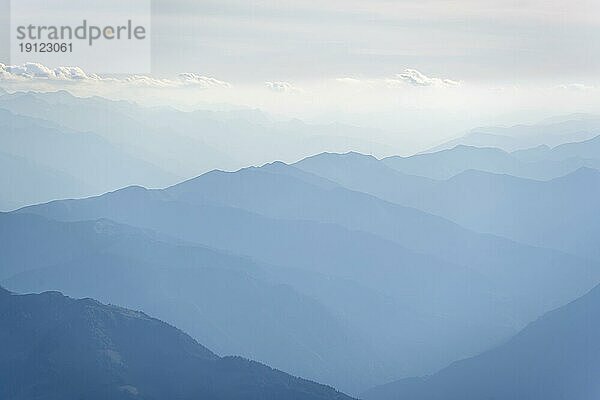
(35, 71)
(409, 77)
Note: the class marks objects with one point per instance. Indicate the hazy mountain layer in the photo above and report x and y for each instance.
(27, 182)
(541, 163)
(551, 132)
(189, 143)
(560, 213)
(557, 357)
(42, 161)
(228, 303)
(452, 289)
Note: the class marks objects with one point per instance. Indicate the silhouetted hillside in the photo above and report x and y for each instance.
(54, 347)
(551, 132)
(226, 302)
(560, 213)
(446, 287)
(540, 163)
(556, 357)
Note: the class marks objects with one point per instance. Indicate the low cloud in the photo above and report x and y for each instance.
(29, 71)
(350, 81)
(576, 87)
(38, 72)
(190, 78)
(416, 78)
(282, 87)
(409, 77)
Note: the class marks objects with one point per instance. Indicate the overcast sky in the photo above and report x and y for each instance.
(503, 41)
(471, 40)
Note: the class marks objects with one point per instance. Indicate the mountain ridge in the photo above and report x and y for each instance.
(554, 357)
(58, 347)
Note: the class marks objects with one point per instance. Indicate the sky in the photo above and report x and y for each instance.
(474, 40)
(420, 70)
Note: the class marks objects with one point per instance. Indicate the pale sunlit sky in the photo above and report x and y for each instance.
(420, 70)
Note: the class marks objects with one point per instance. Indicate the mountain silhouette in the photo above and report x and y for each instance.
(43, 161)
(375, 284)
(229, 303)
(585, 150)
(559, 213)
(459, 291)
(277, 194)
(551, 132)
(557, 357)
(541, 163)
(185, 144)
(56, 347)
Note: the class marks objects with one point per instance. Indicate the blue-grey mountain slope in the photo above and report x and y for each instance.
(189, 143)
(122, 124)
(557, 357)
(560, 213)
(284, 216)
(275, 192)
(81, 164)
(551, 132)
(585, 150)
(414, 310)
(228, 303)
(54, 347)
(541, 163)
(24, 181)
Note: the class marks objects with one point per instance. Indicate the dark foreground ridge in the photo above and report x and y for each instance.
(55, 347)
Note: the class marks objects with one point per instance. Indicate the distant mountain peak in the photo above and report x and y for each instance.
(330, 156)
(276, 164)
(582, 173)
(466, 147)
(552, 132)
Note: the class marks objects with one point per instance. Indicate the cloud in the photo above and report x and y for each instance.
(38, 72)
(416, 78)
(190, 78)
(350, 81)
(575, 87)
(282, 87)
(409, 77)
(143, 80)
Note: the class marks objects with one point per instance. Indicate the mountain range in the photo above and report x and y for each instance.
(68, 146)
(335, 303)
(550, 132)
(185, 144)
(559, 213)
(42, 160)
(539, 163)
(56, 347)
(226, 302)
(556, 357)
(341, 268)
(431, 283)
